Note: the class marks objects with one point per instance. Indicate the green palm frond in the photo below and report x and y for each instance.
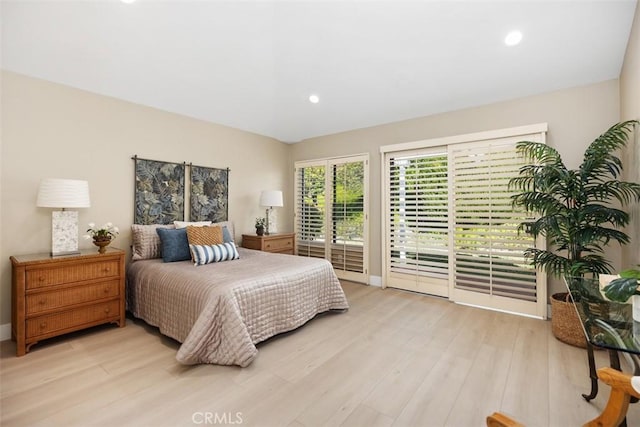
(623, 192)
(600, 214)
(536, 201)
(547, 261)
(599, 159)
(539, 153)
(592, 263)
(599, 236)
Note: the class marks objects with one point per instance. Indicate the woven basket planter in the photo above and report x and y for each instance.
(565, 323)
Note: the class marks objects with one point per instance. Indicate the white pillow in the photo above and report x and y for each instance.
(184, 224)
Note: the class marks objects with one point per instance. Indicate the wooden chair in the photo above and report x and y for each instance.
(623, 387)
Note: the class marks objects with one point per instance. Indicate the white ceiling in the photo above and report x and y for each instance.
(253, 64)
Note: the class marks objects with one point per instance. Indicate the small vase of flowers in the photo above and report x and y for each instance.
(260, 223)
(102, 236)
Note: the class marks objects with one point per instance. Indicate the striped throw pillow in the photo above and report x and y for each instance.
(206, 254)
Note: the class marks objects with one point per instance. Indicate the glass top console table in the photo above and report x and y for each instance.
(606, 324)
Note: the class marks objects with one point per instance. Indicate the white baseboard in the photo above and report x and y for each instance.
(5, 332)
(375, 281)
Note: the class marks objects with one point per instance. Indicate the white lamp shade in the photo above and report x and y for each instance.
(271, 198)
(63, 193)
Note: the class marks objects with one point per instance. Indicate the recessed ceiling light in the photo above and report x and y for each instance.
(314, 99)
(127, 1)
(513, 38)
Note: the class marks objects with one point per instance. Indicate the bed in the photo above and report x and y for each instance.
(220, 311)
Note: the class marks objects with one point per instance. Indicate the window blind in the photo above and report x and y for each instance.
(310, 211)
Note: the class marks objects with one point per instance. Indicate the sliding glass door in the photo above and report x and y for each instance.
(488, 265)
(418, 233)
(450, 227)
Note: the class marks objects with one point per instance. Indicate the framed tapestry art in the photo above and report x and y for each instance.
(159, 191)
(209, 194)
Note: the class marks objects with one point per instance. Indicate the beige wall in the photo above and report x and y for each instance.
(50, 130)
(630, 110)
(575, 118)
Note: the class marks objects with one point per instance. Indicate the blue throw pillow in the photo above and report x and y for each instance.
(226, 235)
(175, 245)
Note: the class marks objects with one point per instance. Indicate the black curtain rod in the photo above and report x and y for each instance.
(135, 157)
(209, 167)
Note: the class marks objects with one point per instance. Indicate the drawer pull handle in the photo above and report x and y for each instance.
(106, 310)
(43, 325)
(41, 279)
(106, 290)
(42, 302)
(106, 269)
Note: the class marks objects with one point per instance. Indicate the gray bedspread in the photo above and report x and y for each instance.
(220, 311)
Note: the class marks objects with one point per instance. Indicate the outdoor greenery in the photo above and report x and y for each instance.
(576, 207)
(346, 203)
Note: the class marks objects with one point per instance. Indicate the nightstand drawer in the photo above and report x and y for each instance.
(41, 277)
(278, 244)
(44, 325)
(282, 243)
(43, 301)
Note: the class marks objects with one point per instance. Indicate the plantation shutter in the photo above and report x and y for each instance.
(310, 210)
(332, 214)
(489, 250)
(418, 222)
(347, 216)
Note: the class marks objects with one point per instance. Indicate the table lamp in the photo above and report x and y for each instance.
(63, 194)
(270, 199)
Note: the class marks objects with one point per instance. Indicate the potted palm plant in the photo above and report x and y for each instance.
(575, 211)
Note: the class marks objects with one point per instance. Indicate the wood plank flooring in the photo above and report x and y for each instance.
(394, 359)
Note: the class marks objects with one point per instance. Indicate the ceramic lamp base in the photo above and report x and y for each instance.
(64, 233)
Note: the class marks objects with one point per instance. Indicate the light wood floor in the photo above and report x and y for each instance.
(394, 359)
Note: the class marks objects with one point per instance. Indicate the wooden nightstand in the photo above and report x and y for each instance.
(282, 243)
(51, 296)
